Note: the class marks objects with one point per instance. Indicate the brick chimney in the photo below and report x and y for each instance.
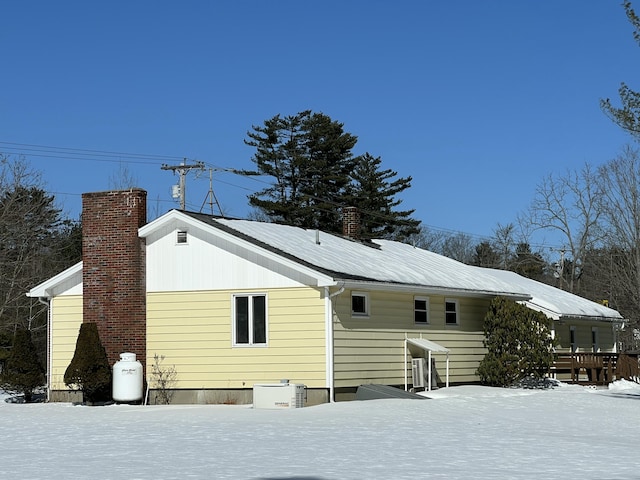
(351, 222)
(113, 272)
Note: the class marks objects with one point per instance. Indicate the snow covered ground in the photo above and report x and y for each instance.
(461, 433)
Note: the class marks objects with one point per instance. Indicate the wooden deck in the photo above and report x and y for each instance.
(595, 368)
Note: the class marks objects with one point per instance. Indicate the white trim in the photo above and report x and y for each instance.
(456, 302)
(420, 298)
(251, 343)
(45, 289)
(367, 306)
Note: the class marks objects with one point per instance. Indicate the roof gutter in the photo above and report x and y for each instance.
(432, 290)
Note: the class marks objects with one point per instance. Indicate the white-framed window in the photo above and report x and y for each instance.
(595, 343)
(359, 304)
(421, 310)
(451, 311)
(250, 319)
(573, 339)
(181, 237)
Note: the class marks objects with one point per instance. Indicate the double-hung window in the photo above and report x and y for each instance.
(451, 311)
(421, 310)
(250, 319)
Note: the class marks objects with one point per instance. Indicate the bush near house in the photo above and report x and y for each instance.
(519, 344)
(89, 370)
(23, 373)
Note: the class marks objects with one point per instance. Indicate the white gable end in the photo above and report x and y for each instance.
(206, 261)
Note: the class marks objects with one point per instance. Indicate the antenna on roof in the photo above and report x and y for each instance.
(211, 196)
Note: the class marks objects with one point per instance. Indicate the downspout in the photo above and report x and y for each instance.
(329, 329)
(46, 302)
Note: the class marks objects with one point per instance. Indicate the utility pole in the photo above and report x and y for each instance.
(182, 170)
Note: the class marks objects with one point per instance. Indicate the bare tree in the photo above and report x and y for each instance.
(570, 206)
(504, 243)
(33, 246)
(123, 178)
(620, 186)
(460, 247)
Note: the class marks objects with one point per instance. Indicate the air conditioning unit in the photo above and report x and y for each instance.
(419, 372)
(278, 395)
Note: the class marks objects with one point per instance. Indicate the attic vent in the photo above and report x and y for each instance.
(181, 236)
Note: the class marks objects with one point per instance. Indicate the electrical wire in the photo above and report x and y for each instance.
(95, 155)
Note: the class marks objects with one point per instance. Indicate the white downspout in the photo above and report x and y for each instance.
(45, 301)
(329, 329)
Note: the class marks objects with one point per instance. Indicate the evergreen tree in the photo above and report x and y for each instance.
(89, 370)
(375, 196)
(23, 373)
(34, 241)
(518, 342)
(309, 157)
(627, 116)
(527, 263)
(485, 256)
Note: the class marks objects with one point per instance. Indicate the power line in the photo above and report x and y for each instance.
(89, 155)
(82, 152)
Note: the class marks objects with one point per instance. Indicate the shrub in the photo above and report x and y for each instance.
(89, 370)
(518, 342)
(164, 379)
(23, 373)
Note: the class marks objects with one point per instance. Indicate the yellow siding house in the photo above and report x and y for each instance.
(233, 303)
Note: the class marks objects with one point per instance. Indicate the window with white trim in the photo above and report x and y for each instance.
(359, 304)
(451, 311)
(250, 319)
(421, 310)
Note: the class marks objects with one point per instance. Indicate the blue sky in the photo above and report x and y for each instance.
(477, 101)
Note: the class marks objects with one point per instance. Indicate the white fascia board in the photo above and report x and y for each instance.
(322, 280)
(429, 290)
(554, 315)
(44, 290)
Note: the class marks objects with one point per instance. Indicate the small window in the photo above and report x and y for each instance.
(572, 337)
(250, 320)
(451, 311)
(594, 340)
(421, 310)
(181, 236)
(359, 304)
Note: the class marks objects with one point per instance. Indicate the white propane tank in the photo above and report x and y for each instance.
(127, 379)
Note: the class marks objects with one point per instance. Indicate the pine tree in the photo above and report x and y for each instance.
(527, 263)
(309, 156)
(375, 196)
(485, 256)
(23, 373)
(628, 116)
(518, 342)
(89, 370)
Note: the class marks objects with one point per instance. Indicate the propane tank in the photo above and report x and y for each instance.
(127, 379)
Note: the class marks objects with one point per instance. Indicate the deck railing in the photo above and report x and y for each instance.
(595, 368)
